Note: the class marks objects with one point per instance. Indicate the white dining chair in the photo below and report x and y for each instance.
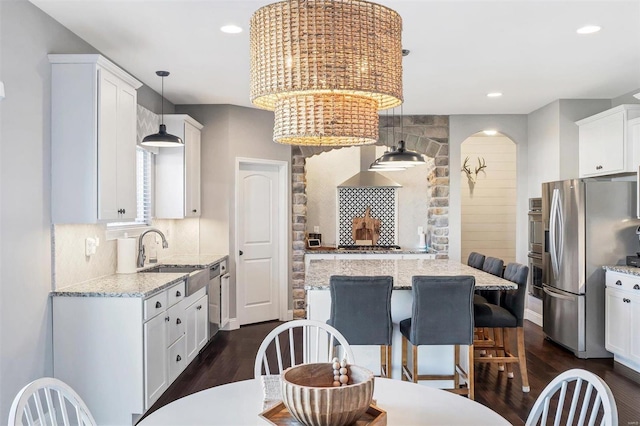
(587, 390)
(317, 337)
(49, 401)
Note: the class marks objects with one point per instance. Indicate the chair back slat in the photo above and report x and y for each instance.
(316, 336)
(63, 410)
(574, 401)
(563, 393)
(50, 408)
(38, 402)
(594, 399)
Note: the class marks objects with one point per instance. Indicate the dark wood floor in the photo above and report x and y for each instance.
(230, 357)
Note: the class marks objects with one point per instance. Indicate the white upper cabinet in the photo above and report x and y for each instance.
(606, 142)
(93, 140)
(178, 171)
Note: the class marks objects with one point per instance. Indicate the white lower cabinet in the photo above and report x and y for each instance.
(622, 318)
(120, 353)
(197, 317)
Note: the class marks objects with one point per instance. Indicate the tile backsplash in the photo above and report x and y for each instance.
(353, 202)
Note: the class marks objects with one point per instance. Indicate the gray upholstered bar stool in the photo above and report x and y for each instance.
(442, 314)
(361, 311)
(506, 316)
(475, 260)
(494, 266)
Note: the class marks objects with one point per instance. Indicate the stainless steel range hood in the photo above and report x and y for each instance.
(365, 178)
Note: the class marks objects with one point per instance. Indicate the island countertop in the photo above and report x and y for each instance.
(320, 271)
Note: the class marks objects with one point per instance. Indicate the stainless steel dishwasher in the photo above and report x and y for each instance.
(218, 297)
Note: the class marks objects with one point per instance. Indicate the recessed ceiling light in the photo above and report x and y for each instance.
(490, 132)
(494, 95)
(231, 29)
(588, 29)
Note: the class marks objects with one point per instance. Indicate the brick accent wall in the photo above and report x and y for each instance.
(427, 134)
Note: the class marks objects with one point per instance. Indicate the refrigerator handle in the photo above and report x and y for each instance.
(557, 295)
(560, 225)
(552, 233)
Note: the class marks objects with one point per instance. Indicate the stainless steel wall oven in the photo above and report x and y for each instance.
(536, 243)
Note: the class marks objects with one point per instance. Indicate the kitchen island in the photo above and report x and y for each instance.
(434, 359)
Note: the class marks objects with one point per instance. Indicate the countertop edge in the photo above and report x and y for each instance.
(160, 288)
(631, 270)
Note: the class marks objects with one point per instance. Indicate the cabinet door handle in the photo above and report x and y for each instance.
(178, 321)
(598, 167)
(178, 294)
(636, 287)
(241, 252)
(194, 211)
(158, 305)
(178, 358)
(167, 319)
(618, 282)
(199, 307)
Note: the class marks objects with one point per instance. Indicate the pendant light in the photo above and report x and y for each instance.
(401, 157)
(162, 139)
(376, 166)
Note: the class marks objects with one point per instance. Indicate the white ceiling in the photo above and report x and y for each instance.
(460, 50)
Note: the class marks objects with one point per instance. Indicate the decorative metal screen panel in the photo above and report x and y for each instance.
(352, 202)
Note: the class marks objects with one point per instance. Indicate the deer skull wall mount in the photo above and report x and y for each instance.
(472, 176)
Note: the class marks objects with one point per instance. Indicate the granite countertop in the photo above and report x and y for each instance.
(333, 250)
(139, 284)
(631, 270)
(320, 271)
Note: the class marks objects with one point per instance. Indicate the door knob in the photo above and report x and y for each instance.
(241, 252)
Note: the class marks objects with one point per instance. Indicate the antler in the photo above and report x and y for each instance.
(467, 170)
(481, 165)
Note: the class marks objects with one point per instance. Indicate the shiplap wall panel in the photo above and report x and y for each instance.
(488, 208)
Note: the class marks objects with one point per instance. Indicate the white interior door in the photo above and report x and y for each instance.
(258, 230)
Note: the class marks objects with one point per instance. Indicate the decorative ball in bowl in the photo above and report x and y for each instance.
(310, 395)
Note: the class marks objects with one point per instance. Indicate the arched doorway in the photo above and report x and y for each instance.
(488, 196)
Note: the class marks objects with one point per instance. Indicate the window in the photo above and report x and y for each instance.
(144, 187)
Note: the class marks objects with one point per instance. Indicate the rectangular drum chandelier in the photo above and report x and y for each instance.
(326, 67)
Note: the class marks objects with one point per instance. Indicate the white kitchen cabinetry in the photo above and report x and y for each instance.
(622, 318)
(606, 142)
(93, 140)
(197, 316)
(178, 171)
(119, 353)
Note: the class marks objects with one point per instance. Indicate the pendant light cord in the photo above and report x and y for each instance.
(162, 103)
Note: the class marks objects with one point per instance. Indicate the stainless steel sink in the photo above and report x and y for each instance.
(197, 279)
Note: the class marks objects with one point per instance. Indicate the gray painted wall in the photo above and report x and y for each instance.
(627, 98)
(27, 35)
(230, 132)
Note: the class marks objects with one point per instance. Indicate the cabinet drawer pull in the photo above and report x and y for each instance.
(199, 307)
(618, 282)
(194, 211)
(167, 319)
(598, 167)
(636, 287)
(178, 358)
(158, 305)
(178, 321)
(178, 294)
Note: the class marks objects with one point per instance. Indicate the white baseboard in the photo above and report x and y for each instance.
(289, 315)
(534, 317)
(233, 324)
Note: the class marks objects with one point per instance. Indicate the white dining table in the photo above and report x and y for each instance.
(406, 404)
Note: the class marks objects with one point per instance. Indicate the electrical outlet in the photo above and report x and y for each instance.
(316, 229)
(420, 230)
(90, 246)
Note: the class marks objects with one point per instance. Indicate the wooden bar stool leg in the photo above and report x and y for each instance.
(456, 362)
(388, 349)
(508, 351)
(415, 363)
(498, 334)
(471, 375)
(404, 366)
(522, 360)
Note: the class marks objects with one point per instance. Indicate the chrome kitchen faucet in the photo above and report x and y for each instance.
(141, 256)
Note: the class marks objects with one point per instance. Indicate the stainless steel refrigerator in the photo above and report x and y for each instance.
(588, 223)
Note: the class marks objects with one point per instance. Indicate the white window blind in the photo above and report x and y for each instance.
(144, 189)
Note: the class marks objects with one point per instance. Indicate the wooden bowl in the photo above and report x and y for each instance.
(309, 394)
